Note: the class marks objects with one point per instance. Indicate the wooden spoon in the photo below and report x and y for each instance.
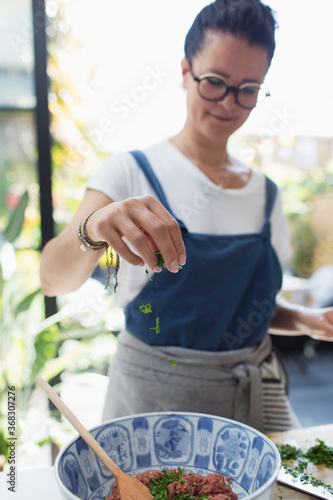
(129, 487)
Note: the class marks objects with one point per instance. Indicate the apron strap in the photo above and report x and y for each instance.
(145, 166)
(271, 190)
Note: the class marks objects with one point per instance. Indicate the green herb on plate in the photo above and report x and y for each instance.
(298, 472)
(320, 454)
(289, 452)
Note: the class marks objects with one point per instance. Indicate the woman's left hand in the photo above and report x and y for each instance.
(319, 322)
(294, 319)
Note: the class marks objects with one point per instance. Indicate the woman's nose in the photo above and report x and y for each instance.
(228, 101)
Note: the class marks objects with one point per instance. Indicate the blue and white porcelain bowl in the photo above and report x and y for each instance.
(198, 442)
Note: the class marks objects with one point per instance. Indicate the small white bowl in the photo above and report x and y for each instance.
(195, 441)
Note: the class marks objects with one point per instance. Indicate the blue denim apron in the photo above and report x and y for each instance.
(224, 297)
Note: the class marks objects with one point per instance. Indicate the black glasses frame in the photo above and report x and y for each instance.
(229, 88)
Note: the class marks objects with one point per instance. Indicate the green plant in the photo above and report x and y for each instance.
(299, 189)
(76, 339)
(304, 243)
(17, 310)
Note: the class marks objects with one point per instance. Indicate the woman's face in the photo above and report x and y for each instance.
(238, 63)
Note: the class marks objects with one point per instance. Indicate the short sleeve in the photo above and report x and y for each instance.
(113, 177)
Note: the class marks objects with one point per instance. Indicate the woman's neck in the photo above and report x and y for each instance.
(202, 153)
(213, 160)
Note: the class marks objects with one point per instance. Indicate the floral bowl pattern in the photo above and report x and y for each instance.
(197, 442)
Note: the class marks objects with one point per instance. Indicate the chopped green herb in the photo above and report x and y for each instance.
(302, 465)
(289, 452)
(173, 361)
(160, 261)
(318, 454)
(157, 327)
(145, 308)
(159, 485)
(147, 274)
(299, 473)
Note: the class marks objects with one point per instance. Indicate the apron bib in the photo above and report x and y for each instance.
(223, 298)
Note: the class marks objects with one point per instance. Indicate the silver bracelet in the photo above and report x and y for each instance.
(86, 243)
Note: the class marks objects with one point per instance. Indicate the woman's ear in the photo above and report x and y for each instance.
(186, 71)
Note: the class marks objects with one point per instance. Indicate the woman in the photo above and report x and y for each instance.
(219, 220)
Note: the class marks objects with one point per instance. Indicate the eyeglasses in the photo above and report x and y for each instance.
(212, 87)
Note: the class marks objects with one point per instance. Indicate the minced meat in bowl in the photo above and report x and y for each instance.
(177, 484)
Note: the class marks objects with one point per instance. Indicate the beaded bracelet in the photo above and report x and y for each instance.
(86, 242)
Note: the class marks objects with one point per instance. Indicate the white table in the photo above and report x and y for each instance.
(31, 484)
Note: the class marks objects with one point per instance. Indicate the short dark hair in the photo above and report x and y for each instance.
(249, 19)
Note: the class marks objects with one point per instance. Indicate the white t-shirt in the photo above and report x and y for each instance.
(203, 206)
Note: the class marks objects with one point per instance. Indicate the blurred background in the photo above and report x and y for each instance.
(73, 90)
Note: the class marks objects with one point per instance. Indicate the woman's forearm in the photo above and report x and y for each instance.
(140, 223)
(64, 266)
(288, 319)
(294, 319)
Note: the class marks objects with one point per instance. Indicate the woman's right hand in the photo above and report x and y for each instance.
(135, 228)
(146, 225)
